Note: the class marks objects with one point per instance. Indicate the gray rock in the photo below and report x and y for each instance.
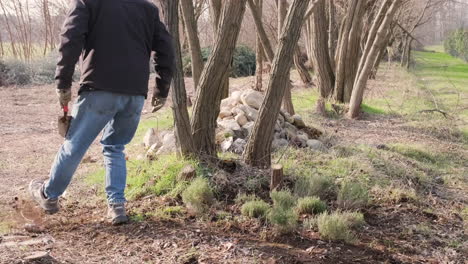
(287, 117)
(224, 112)
(237, 110)
(241, 119)
(229, 124)
(252, 98)
(279, 143)
(150, 138)
(298, 122)
(238, 146)
(249, 126)
(241, 133)
(226, 145)
(168, 144)
(236, 96)
(291, 130)
(250, 112)
(316, 145)
(228, 103)
(151, 153)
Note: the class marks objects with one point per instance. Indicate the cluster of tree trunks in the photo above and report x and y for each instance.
(343, 59)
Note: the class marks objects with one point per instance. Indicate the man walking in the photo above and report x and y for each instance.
(114, 40)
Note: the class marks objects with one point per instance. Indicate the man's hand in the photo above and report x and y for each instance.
(157, 103)
(64, 96)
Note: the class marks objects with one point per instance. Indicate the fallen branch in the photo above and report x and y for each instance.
(445, 114)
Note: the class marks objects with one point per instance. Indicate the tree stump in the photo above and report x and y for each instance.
(276, 176)
(187, 173)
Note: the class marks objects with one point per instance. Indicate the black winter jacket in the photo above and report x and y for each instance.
(114, 40)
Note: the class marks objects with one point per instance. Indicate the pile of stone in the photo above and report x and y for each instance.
(237, 117)
(235, 123)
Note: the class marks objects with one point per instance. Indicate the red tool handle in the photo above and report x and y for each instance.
(65, 108)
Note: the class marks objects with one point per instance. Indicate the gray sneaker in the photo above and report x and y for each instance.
(116, 214)
(36, 189)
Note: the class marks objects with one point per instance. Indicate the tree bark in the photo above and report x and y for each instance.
(287, 99)
(259, 54)
(216, 8)
(348, 52)
(301, 68)
(193, 40)
(209, 94)
(276, 177)
(367, 61)
(261, 31)
(179, 95)
(258, 150)
(320, 57)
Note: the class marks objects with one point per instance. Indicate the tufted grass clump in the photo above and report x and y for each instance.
(198, 196)
(282, 215)
(255, 209)
(352, 195)
(337, 226)
(283, 199)
(310, 205)
(314, 185)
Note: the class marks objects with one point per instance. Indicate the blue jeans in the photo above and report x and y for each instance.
(118, 115)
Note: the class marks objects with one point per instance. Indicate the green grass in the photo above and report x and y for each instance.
(445, 79)
(255, 209)
(158, 177)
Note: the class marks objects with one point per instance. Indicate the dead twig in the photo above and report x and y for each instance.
(445, 114)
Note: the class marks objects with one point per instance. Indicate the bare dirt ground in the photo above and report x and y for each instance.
(79, 234)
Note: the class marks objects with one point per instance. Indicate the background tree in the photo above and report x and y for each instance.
(258, 150)
(191, 29)
(182, 129)
(216, 71)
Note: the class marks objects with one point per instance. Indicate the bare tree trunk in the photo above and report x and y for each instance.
(216, 8)
(348, 51)
(179, 95)
(287, 99)
(261, 31)
(259, 54)
(320, 57)
(258, 150)
(368, 60)
(209, 94)
(301, 68)
(332, 32)
(194, 43)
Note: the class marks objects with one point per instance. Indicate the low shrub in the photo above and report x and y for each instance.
(255, 209)
(456, 44)
(243, 61)
(283, 199)
(36, 72)
(285, 220)
(352, 195)
(338, 226)
(243, 198)
(310, 205)
(198, 196)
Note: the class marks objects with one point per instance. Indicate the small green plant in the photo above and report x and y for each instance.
(338, 226)
(242, 198)
(282, 215)
(352, 195)
(283, 199)
(198, 196)
(310, 205)
(313, 185)
(285, 220)
(255, 209)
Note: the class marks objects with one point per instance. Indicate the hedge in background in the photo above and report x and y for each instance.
(243, 63)
(457, 44)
